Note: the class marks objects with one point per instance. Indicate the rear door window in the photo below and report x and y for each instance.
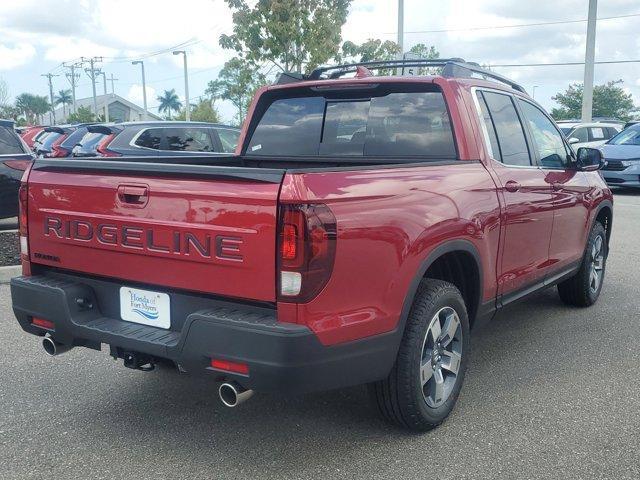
(228, 139)
(513, 144)
(398, 124)
(150, 138)
(9, 143)
(189, 140)
(581, 134)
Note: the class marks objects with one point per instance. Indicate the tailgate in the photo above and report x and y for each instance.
(192, 227)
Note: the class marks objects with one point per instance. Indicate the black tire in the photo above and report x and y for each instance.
(578, 290)
(401, 397)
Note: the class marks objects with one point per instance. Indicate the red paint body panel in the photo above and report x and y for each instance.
(213, 208)
(389, 220)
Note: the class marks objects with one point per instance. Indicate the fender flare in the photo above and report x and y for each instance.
(598, 209)
(437, 252)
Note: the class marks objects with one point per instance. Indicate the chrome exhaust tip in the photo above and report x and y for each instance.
(231, 394)
(53, 348)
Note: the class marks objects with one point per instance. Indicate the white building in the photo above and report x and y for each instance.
(120, 109)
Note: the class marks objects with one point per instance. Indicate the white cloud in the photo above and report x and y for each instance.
(16, 55)
(135, 95)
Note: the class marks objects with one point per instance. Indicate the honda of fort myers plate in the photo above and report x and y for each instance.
(145, 307)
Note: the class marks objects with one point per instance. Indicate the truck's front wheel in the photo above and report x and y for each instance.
(425, 381)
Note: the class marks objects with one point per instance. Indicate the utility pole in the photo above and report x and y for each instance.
(589, 59)
(400, 33)
(106, 102)
(144, 88)
(72, 77)
(186, 84)
(52, 113)
(92, 71)
(113, 90)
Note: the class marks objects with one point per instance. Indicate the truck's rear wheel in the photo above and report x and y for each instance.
(425, 381)
(583, 289)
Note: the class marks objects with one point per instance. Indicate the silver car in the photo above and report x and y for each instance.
(622, 154)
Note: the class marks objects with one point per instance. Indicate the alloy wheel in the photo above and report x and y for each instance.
(596, 271)
(441, 357)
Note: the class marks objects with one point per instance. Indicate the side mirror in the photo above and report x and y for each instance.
(590, 159)
(573, 140)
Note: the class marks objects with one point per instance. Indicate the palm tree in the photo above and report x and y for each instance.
(63, 98)
(41, 106)
(25, 102)
(169, 102)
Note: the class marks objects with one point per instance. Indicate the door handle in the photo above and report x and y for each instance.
(134, 195)
(512, 186)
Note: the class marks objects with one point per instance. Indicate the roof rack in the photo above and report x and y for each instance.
(451, 68)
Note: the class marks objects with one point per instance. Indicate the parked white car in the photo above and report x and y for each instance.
(589, 134)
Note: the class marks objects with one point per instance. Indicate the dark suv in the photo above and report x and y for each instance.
(157, 139)
(14, 159)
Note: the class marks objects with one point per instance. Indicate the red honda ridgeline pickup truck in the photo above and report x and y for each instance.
(364, 227)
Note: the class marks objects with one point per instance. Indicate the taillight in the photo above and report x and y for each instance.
(18, 164)
(56, 150)
(23, 194)
(23, 228)
(102, 147)
(307, 247)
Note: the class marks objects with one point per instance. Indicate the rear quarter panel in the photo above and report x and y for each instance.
(389, 220)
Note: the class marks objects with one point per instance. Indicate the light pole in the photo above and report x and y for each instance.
(186, 84)
(533, 92)
(106, 99)
(589, 59)
(144, 88)
(400, 34)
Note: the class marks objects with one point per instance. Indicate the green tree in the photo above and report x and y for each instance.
(32, 106)
(609, 100)
(369, 51)
(169, 102)
(82, 115)
(237, 82)
(12, 112)
(295, 35)
(203, 111)
(63, 98)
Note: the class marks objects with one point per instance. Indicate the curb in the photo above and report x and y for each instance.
(7, 273)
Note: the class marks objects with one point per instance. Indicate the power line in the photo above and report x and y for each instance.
(560, 64)
(517, 25)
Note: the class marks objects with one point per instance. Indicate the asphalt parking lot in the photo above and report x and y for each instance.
(552, 392)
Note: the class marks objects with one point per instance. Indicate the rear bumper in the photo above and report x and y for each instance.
(281, 357)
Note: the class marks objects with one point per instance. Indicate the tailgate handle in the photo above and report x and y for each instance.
(133, 194)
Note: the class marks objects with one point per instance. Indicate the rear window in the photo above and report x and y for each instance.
(9, 142)
(399, 124)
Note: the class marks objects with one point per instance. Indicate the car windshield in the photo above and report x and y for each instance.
(630, 136)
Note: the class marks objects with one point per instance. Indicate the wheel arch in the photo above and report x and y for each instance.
(604, 215)
(471, 290)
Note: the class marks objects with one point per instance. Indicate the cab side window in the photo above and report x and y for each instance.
(509, 131)
(551, 150)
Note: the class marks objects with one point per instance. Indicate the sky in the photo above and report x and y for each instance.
(36, 36)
